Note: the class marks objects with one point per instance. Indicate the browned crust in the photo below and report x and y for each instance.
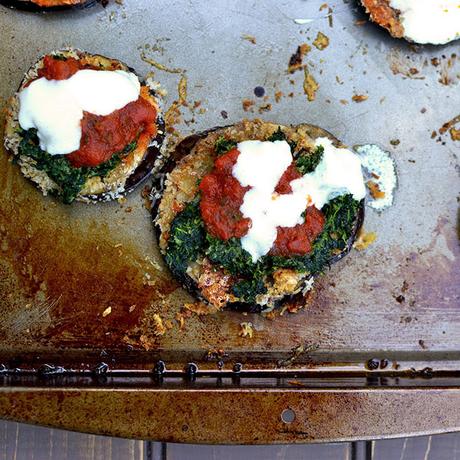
(384, 15)
(117, 181)
(177, 185)
(48, 5)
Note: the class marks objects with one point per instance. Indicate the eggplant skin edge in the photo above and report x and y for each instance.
(183, 149)
(125, 181)
(28, 5)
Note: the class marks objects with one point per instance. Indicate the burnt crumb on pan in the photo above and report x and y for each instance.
(359, 97)
(278, 96)
(321, 41)
(310, 85)
(449, 126)
(200, 308)
(264, 108)
(246, 330)
(454, 134)
(296, 60)
(247, 104)
(249, 38)
(160, 66)
(364, 240)
(374, 189)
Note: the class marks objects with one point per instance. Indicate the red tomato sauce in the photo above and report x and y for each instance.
(59, 69)
(221, 198)
(298, 240)
(102, 136)
(48, 3)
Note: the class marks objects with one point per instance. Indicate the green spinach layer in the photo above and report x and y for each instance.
(69, 178)
(188, 240)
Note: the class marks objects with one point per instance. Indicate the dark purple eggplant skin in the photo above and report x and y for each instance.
(182, 149)
(27, 5)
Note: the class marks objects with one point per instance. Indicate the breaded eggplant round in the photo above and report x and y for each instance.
(433, 22)
(116, 152)
(48, 5)
(204, 234)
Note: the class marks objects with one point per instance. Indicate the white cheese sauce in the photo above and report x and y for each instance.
(381, 169)
(429, 21)
(260, 165)
(55, 107)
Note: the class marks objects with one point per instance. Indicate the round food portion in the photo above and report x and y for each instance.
(76, 143)
(420, 21)
(237, 240)
(47, 5)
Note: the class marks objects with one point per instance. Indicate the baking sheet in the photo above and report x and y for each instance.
(62, 267)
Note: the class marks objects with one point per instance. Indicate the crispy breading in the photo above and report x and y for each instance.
(114, 181)
(383, 14)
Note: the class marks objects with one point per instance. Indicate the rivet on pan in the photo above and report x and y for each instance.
(101, 369)
(427, 373)
(288, 415)
(159, 368)
(373, 364)
(48, 370)
(191, 369)
(237, 367)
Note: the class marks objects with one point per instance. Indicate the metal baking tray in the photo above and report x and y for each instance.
(378, 342)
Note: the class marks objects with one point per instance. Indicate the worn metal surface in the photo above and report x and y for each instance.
(62, 267)
(319, 415)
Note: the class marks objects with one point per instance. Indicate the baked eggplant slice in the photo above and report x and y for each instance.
(425, 22)
(201, 207)
(116, 141)
(47, 5)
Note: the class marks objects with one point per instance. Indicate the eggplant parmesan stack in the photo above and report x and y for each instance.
(48, 5)
(247, 215)
(420, 21)
(83, 127)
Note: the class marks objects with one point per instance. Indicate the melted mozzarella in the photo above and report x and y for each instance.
(429, 21)
(55, 107)
(260, 165)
